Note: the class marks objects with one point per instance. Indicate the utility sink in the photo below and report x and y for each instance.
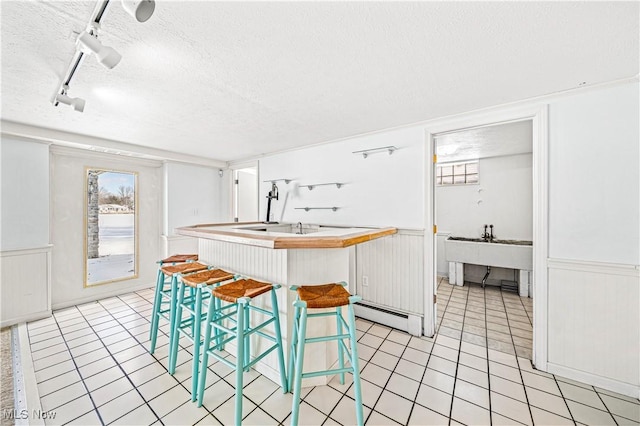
(512, 254)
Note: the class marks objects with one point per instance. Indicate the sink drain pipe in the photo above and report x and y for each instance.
(484, 280)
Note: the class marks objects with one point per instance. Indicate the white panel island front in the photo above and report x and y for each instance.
(276, 253)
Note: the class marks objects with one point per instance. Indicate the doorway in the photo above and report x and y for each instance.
(483, 200)
(538, 115)
(245, 194)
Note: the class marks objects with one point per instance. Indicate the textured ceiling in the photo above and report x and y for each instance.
(483, 142)
(232, 80)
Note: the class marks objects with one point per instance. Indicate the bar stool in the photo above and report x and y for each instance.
(191, 326)
(233, 322)
(160, 281)
(167, 295)
(316, 297)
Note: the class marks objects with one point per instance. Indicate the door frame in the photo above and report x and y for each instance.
(538, 113)
(232, 189)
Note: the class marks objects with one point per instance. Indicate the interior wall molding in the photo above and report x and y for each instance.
(101, 145)
(85, 154)
(595, 267)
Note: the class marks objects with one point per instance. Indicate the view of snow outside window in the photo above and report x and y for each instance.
(110, 226)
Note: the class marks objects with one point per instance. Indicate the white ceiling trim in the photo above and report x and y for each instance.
(94, 144)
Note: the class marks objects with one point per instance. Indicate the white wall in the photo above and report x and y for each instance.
(382, 190)
(594, 238)
(24, 201)
(504, 198)
(67, 223)
(594, 204)
(194, 194)
(25, 254)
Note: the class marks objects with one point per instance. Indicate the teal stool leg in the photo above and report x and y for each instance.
(157, 307)
(357, 391)
(172, 308)
(293, 347)
(247, 340)
(175, 320)
(276, 325)
(197, 326)
(240, 358)
(297, 383)
(340, 342)
(205, 354)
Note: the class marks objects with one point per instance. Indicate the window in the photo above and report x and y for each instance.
(110, 226)
(457, 173)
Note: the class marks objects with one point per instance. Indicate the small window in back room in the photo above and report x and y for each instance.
(457, 173)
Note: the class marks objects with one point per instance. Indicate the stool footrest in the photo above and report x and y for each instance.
(327, 372)
(326, 338)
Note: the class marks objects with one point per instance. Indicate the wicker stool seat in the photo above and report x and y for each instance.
(180, 258)
(336, 296)
(211, 276)
(241, 288)
(183, 268)
(164, 302)
(324, 296)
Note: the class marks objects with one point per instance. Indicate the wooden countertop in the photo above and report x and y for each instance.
(280, 236)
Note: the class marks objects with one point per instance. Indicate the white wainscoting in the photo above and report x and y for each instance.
(285, 267)
(26, 284)
(394, 269)
(594, 324)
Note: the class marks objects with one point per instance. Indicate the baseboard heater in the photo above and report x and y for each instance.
(410, 323)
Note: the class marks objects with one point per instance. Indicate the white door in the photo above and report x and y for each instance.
(246, 185)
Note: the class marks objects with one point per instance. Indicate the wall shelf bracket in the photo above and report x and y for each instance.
(366, 152)
(287, 181)
(316, 208)
(337, 184)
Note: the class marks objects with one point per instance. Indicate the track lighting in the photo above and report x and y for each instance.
(139, 9)
(89, 43)
(76, 103)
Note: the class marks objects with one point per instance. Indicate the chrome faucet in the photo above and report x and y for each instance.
(485, 234)
(299, 225)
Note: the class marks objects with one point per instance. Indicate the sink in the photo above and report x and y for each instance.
(512, 254)
(480, 240)
(285, 229)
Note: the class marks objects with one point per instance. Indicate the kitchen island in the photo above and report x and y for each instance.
(287, 254)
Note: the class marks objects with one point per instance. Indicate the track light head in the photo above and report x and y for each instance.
(139, 9)
(107, 56)
(76, 103)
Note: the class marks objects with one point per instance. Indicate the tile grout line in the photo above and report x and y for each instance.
(420, 383)
(603, 403)
(95, 408)
(453, 391)
(122, 369)
(518, 362)
(486, 330)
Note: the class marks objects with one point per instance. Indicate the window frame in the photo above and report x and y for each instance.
(439, 175)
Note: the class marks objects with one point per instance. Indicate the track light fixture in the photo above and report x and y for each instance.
(88, 43)
(76, 103)
(139, 9)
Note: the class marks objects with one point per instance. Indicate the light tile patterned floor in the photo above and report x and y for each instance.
(93, 367)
